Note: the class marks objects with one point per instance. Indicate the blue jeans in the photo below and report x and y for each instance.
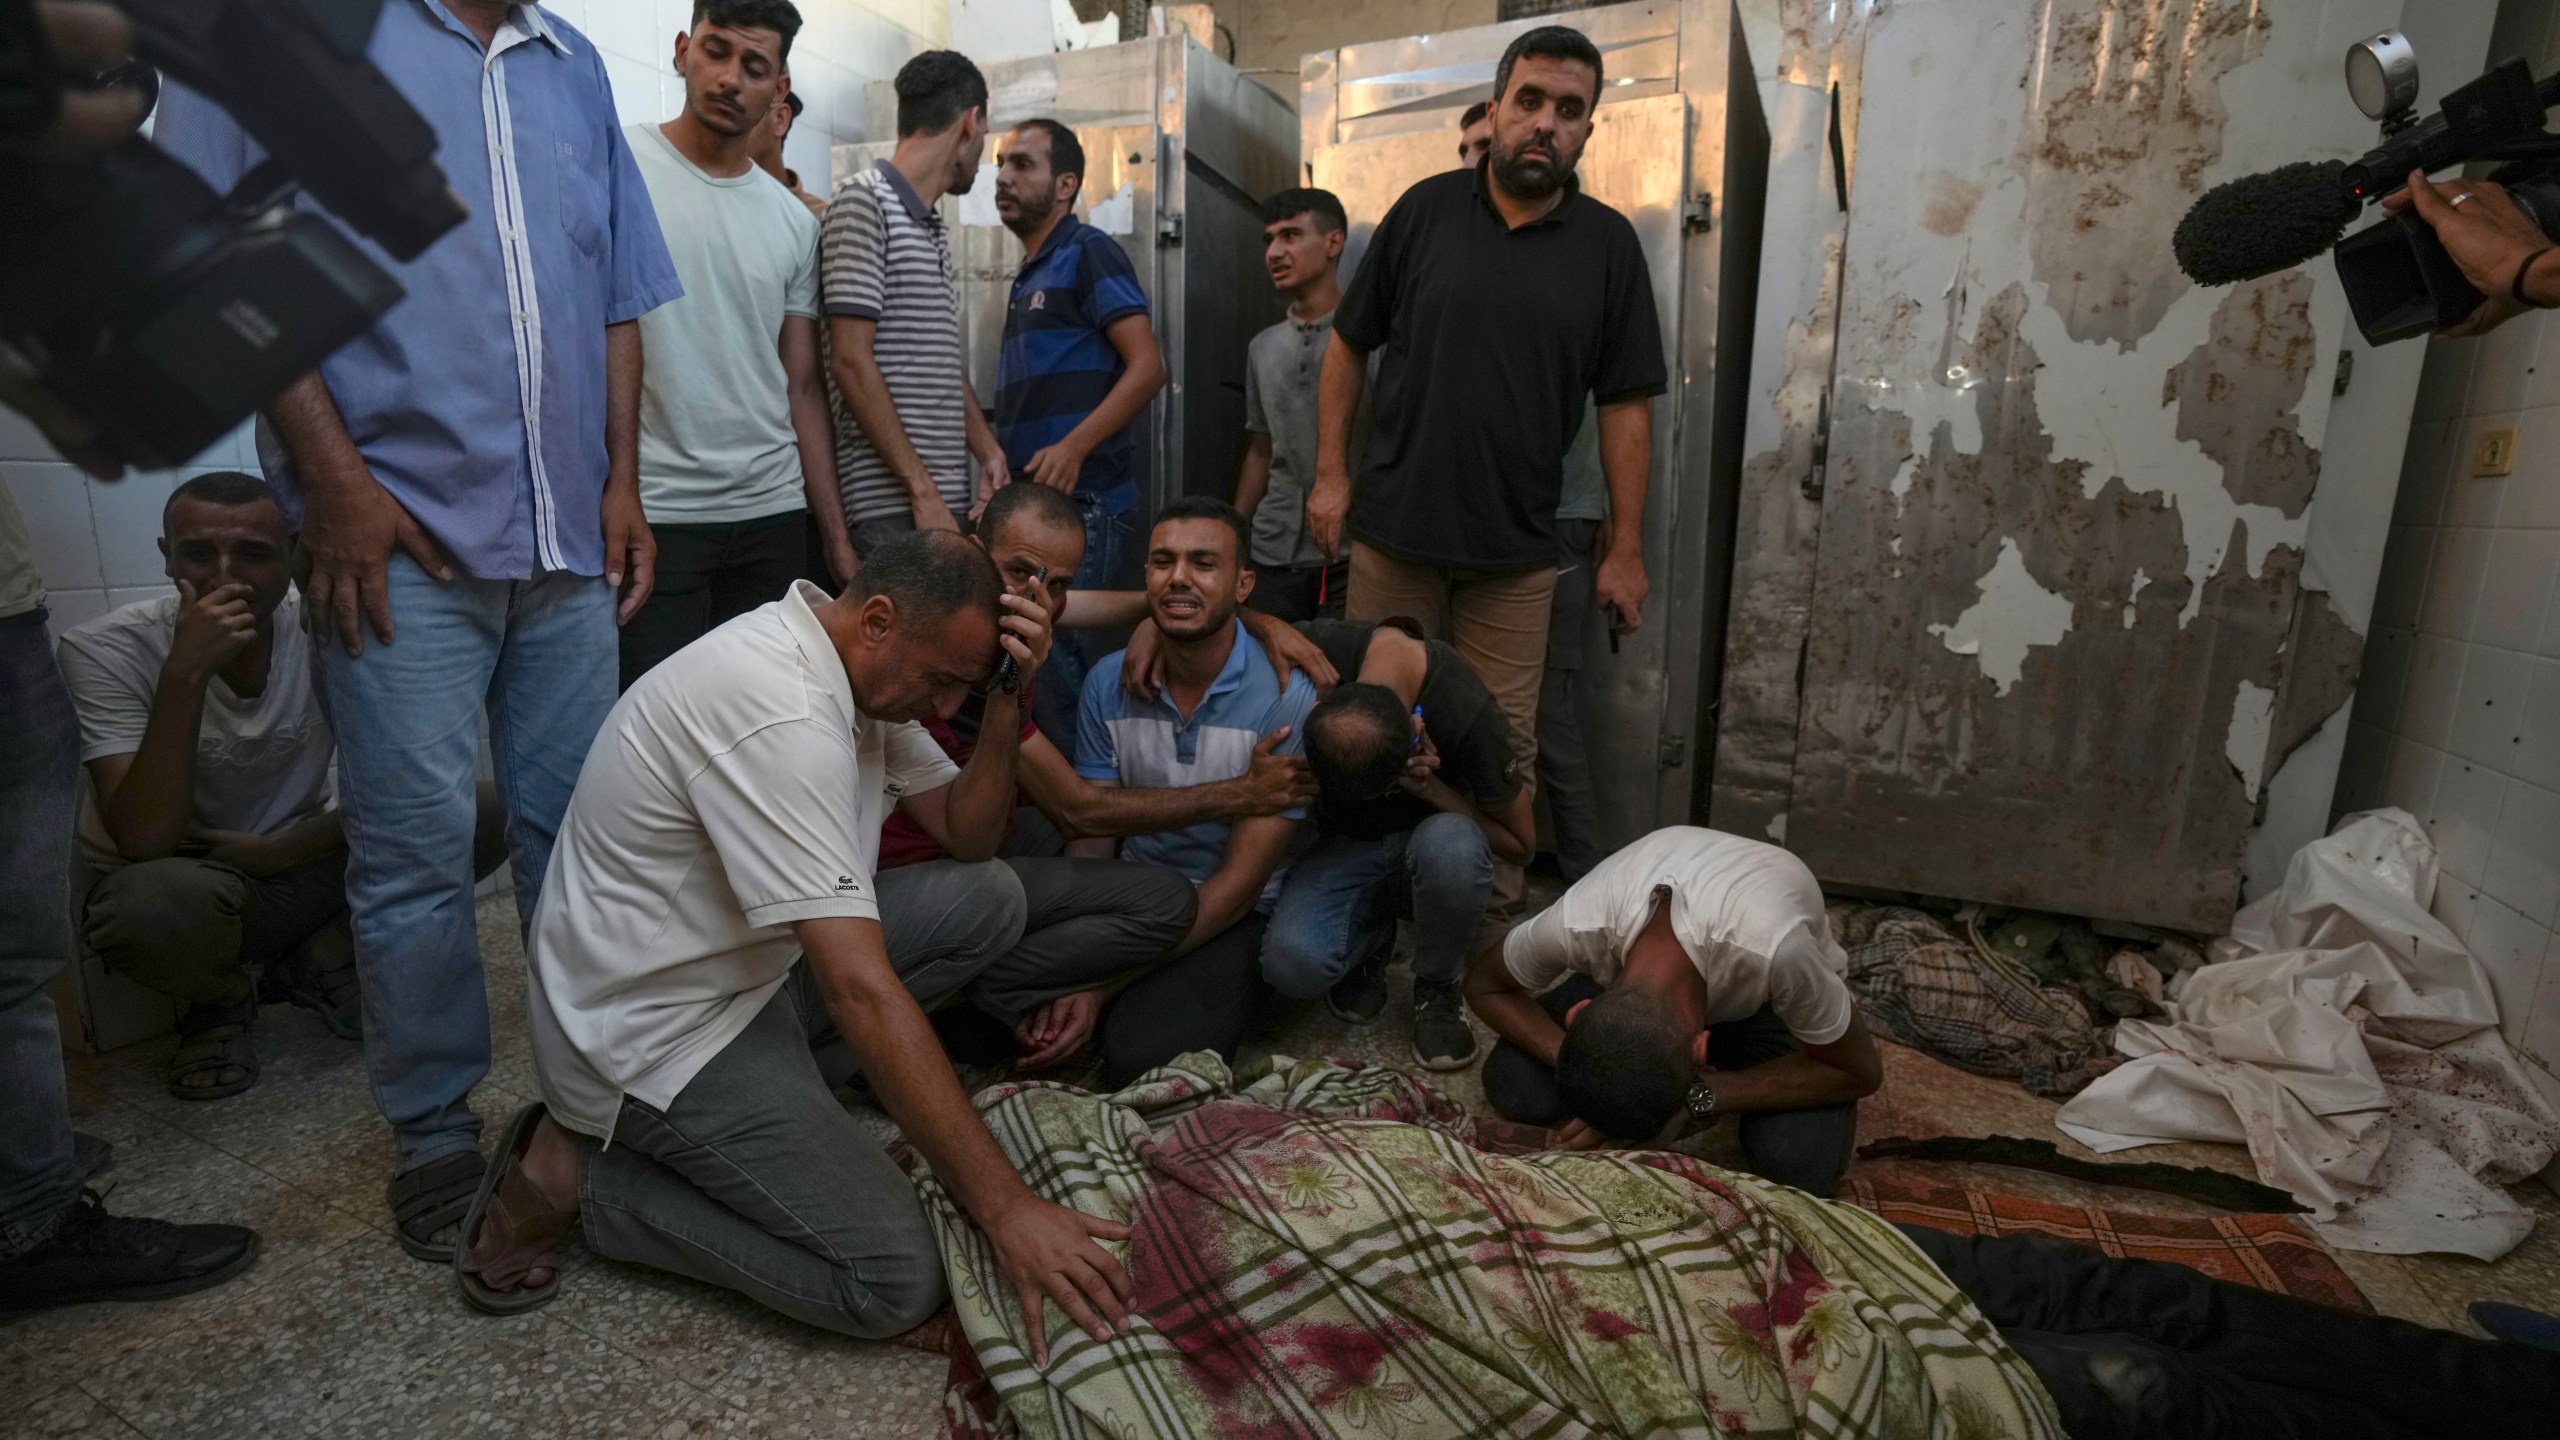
(1343, 899)
(1109, 560)
(39, 776)
(540, 656)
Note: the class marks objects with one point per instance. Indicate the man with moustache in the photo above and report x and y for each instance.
(737, 449)
(1496, 300)
(714, 920)
(1077, 367)
(1218, 702)
(1302, 235)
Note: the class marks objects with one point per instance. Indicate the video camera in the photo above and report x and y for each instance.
(143, 316)
(2398, 278)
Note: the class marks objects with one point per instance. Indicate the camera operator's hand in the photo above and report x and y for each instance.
(2488, 237)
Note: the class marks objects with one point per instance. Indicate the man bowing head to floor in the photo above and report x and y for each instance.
(712, 917)
(1689, 976)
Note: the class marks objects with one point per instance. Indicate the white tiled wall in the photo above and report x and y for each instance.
(95, 542)
(2457, 718)
(842, 49)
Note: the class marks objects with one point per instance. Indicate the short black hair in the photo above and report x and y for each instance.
(1554, 42)
(1026, 500)
(935, 89)
(1066, 152)
(1477, 111)
(929, 575)
(1306, 200)
(1209, 507)
(779, 16)
(1624, 1067)
(1357, 740)
(221, 487)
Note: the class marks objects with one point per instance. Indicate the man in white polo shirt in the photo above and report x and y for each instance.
(712, 915)
(1688, 976)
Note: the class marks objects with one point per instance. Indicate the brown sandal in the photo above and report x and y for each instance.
(508, 1201)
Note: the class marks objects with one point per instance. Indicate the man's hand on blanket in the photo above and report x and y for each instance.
(1049, 1249)
(1576, 1135)
(1056, 1030)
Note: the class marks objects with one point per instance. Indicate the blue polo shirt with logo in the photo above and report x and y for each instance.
(1147, 744)
(1056, 364)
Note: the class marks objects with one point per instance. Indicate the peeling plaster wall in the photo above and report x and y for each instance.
(2030, 402)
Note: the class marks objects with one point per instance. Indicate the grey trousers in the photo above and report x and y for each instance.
(755, 1178)
(1804, 1148)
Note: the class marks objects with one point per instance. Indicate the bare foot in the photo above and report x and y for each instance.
(536, 1201)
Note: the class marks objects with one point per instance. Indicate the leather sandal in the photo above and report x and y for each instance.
(508, 1201)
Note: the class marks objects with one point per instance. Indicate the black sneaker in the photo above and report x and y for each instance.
(1360, 997)
(1442, 1038)
(93, 1255)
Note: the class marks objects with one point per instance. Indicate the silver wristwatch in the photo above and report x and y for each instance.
(1702, 1103)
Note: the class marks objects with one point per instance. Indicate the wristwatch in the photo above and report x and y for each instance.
(1702, 1103)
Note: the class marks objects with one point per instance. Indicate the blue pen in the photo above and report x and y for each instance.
(1417, 729)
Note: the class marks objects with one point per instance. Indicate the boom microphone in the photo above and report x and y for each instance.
(2259, 224)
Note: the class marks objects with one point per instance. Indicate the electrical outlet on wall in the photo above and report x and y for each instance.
(2495, 454)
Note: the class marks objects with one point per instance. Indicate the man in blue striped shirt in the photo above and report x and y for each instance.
(1078, 365)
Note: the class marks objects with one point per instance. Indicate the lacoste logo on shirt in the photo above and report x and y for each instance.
(847, 882)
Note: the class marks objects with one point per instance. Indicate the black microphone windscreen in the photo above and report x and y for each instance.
(2259, 224)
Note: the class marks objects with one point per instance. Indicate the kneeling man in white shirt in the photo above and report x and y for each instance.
(1689, 976)
(711, 915)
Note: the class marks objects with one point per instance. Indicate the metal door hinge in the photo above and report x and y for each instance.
(1818, 476)
(1674, 752)
(1169, 231)
(1699, 215)
(2346, 372)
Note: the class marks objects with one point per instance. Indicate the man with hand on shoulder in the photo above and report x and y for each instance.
(1220, 701)
(714, 919)
(1688, 976)
(1087, 922)
(1420, 796)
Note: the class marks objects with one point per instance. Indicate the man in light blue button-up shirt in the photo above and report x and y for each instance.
(465, 478)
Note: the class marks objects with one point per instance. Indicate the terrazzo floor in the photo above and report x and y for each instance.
(336, 1331)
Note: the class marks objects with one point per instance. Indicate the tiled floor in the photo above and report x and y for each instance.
(335, 1331)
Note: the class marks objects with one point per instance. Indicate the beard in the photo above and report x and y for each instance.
(1534, 179)
(1030, 213)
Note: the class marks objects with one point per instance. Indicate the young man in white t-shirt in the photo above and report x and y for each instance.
(1688, 976)
(218, 857)
(737, 450)
(711, 917)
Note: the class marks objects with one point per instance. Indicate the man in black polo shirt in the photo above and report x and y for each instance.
(1417, 797)
(1499, 298)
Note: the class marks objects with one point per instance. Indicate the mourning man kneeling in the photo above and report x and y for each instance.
(1689, 976)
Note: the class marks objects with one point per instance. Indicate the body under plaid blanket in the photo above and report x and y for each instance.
(1321, 1251)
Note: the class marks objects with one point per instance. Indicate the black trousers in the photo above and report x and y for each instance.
(2145, 1348)
(1209, 999)
(710, 574)
(1804, 1148)
(1302, 592)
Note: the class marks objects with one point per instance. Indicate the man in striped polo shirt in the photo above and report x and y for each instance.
(909, 425)
(1078, 365)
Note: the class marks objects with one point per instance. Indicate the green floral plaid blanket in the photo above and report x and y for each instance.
(1318, 1251)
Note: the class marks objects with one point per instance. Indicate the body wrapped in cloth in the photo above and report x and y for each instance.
(1319, 1252)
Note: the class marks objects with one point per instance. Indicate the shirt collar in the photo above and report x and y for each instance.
(1239, 655)
(1484, 197)
(1067, 225)
(800, 617)
(527, 21)
(907, 196)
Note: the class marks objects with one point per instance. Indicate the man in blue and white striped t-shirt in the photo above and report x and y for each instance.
(909, 424)
(1219, 699)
